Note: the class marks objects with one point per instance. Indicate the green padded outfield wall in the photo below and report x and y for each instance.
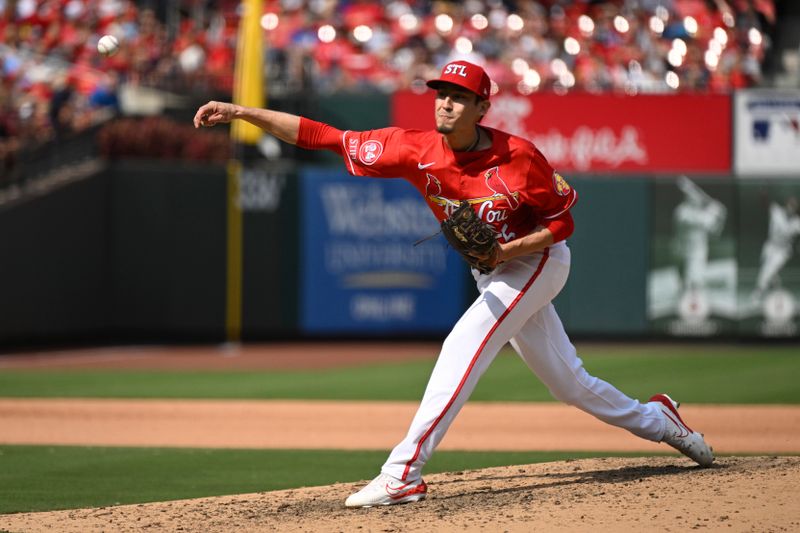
(604, 295)
(168, 250)
(169, 253)
(270, 234)
(53, 264)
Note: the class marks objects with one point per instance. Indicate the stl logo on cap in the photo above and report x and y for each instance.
(466, 75)
(455, 68)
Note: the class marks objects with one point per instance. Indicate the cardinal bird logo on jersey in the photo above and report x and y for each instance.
(560, 184)
(500, 189)
(433, 192)
(433, 187)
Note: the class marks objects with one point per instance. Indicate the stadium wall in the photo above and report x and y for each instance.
(137, 250)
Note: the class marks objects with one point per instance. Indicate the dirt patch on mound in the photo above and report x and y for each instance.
(664, 494)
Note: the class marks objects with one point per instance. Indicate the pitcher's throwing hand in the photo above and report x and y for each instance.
(214, 113)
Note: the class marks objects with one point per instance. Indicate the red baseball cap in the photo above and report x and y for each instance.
(466, 75)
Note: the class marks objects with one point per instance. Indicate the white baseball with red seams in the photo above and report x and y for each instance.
(108, 45)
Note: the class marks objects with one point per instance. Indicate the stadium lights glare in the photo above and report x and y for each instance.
(675, 57)
(715, 47)
(532, 78)
(326, 33)
(519, 66)
(269, 21)
(362, 33)
(529, 83)
(656, 25)
(408, 22)
(572, 46)
(754, 36)
(524, 89)
(443, 23)
(721, 36)
(586, 25)
(662, 13)
(479, 21)
(680, 46)
(712, 60)
(463, 45)
(672, 80)
(621, 24)
(567, 79)
(690, 25)
(558, 67)
(515, 22)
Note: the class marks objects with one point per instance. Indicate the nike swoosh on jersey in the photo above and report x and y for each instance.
(421, 166)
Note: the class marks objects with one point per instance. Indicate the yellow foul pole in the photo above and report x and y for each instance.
(248, 90)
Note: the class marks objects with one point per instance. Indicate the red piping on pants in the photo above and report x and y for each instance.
(545, 255)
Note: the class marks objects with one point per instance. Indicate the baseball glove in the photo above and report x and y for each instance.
(470, 236)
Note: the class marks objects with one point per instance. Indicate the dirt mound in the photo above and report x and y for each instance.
(665, 494)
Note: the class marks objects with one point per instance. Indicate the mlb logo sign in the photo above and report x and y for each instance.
(760, 130)
(767, 132)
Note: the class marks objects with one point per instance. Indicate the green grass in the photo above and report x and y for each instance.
(39, 478)
(35, 478)
(691, 373)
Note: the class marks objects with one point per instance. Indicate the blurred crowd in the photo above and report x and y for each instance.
(550, 45)
(54, 82)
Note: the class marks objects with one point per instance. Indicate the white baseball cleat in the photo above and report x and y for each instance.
(388, 490)
(680, 436)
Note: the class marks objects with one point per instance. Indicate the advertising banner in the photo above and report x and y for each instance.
(769, 257)
(362, 272)
(767, 132)
(605, 133)
(693, 273)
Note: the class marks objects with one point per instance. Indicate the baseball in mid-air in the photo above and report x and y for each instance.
(108, 45)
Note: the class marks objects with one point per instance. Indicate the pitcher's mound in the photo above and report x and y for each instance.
(647, 494)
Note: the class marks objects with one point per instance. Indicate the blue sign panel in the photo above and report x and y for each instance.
(361, 270)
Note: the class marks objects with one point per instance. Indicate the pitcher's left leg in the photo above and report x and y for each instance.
(544, 346)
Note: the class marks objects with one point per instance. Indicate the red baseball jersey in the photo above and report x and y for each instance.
(510, 185)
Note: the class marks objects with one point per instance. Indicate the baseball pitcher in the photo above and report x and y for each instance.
(473, 178)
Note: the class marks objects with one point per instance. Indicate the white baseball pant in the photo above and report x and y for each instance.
(514, 305)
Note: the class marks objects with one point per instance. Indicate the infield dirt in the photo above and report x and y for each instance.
(648, 494)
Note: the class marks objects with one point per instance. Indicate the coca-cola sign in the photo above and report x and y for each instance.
(606, 133)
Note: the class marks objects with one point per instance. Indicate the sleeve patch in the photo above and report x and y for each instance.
(560, 184)
(370, 151)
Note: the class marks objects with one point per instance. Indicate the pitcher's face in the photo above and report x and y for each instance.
(457, 109)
